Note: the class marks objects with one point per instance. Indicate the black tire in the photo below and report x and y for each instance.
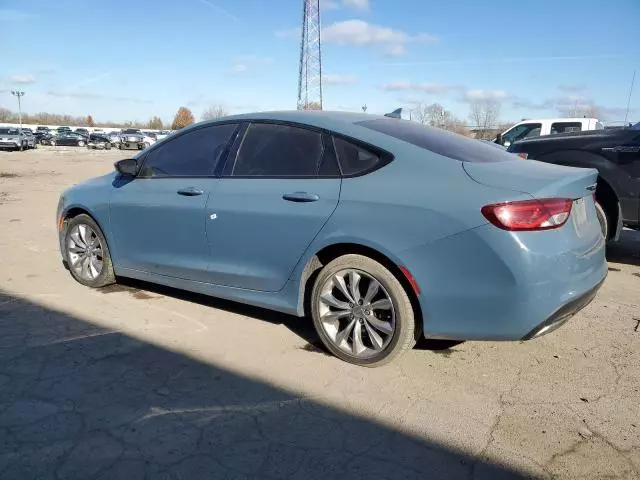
(604, 221)
(119, 146)
(405, 335)
(21, 148)
(107, 146)
(107, 275)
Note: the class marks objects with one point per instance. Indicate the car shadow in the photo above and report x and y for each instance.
(302, 327)
(80, 401)
(626, 250)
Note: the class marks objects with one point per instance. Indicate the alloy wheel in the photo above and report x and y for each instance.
(357, 313)
(85, 252)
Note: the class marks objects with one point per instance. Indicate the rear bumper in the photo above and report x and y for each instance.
(563, 314)
(488, 284)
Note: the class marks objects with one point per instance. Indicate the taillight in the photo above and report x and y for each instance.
(542, 214)
(524, 155)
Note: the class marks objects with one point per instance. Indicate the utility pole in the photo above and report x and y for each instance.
(633, 79)
(310, 76)
(18, 94)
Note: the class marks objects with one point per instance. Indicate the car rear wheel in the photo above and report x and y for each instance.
(361, 312)
(81, 143)
(86, 253)
(604, 221)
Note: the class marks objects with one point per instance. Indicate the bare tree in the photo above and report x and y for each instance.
(484, 114)
(214, 111)
(582, 110)
(435, 115)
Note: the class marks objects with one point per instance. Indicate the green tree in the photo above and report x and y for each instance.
(183, 118)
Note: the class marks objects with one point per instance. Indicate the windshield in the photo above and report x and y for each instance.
(131, 130)
(8, 131)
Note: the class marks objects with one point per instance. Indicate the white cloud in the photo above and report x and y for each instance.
(571, 87)
(22, 79)
(361, 33)
(328, 79)
(358, 4)
(219, 9)
(246, 63)
(419, 87)
(338, 4)
(239, 68)
(481, 94)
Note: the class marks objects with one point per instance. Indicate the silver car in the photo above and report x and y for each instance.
(12, 139)
(131, 138)
(31, 139)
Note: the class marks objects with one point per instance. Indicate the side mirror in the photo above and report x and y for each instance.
(127, 167)
(498, 139)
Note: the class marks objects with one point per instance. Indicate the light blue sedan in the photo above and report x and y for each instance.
(379, 229)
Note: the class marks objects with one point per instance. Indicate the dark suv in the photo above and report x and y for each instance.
(615, 153)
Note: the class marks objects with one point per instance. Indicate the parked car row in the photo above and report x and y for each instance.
(130, 138)
(16, 139)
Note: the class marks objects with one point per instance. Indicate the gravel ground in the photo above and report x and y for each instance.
(137, 381)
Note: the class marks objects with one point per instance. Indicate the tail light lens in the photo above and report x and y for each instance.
(523, 155)
(541, 214)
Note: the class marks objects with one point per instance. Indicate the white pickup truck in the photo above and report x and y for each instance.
(546, 126)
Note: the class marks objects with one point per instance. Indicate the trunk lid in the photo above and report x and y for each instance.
(538, 179)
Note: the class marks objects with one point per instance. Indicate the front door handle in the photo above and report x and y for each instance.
(301, 197)
(190, 192)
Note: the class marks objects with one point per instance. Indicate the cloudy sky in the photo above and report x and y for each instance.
(125, 60)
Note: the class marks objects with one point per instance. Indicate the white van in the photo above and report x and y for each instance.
(547, 126)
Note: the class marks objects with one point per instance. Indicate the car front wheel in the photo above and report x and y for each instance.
(361, 312)
(86, 252)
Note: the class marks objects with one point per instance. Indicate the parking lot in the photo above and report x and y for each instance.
(140, 381)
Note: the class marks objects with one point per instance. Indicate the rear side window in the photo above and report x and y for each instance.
(193, 154)
(274, 150)
(439, 141)
(565, 127)
(353, 158)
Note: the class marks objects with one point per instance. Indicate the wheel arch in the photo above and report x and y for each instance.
(607, 197)
(73, 211)
(327, 253)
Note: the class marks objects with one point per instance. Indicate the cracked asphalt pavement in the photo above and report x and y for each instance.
(137, 381)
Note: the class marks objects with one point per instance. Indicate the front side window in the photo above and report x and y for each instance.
(520, 132)
(194, 154)
(565, 127)
(274, 150)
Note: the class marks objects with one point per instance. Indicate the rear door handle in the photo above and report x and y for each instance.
(301, 197)
(190, 192)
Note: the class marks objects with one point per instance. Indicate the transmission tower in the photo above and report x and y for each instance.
(310, 78)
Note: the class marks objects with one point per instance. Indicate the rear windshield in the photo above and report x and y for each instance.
(438, 141)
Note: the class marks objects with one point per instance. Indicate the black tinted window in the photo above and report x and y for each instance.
(270, 150)
(438, 141)
(193, 154)
(354, 159)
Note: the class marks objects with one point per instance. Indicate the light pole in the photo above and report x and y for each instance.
(18, 94)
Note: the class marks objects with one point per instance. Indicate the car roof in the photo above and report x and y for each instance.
(321, 119)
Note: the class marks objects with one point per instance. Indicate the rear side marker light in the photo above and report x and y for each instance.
(523, 155)
(412, 281)
(540, 214)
